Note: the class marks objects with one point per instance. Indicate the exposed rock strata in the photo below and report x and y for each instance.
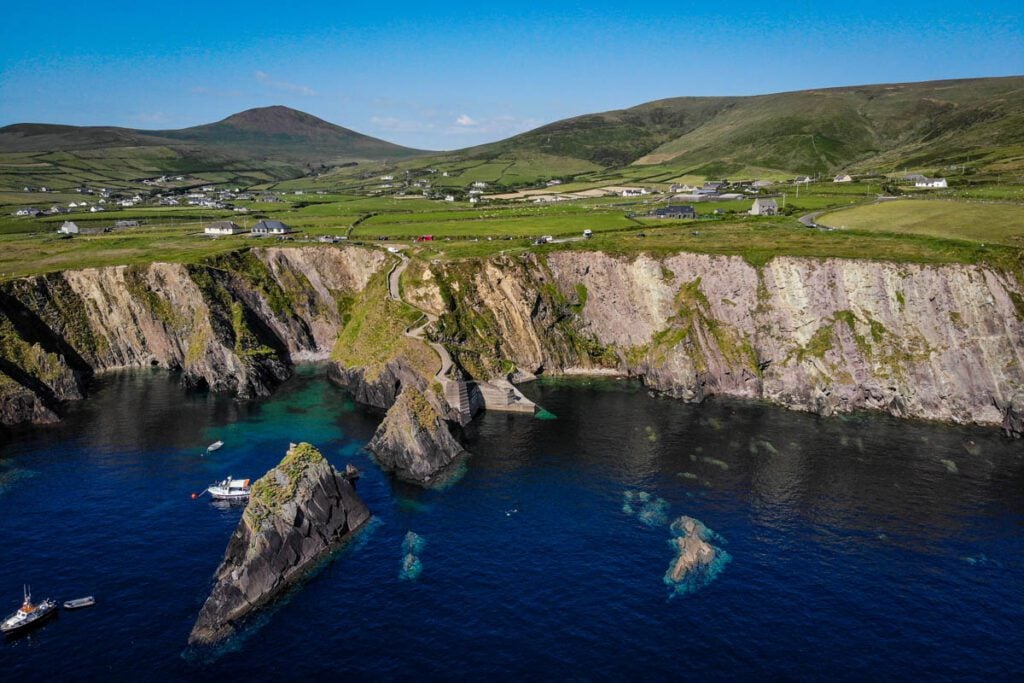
(823, 335)
(232, 324)
(298, 512)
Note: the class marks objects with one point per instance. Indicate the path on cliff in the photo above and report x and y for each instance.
(395, 292)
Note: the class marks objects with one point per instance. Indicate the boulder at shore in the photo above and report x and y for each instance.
(297, 513)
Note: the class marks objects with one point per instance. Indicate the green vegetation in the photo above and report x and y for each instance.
(279, 485)
(988, 222)
(375, 333)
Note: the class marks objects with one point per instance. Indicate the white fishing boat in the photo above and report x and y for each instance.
(214, 446)
(230, 489)
(28, 615)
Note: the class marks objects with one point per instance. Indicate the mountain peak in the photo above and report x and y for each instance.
(277, 120)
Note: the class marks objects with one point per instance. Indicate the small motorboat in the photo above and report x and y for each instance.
(230, 489)
(29, 615)
(214, 446)
(79, 603)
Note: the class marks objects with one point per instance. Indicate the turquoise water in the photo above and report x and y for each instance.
(852, 548)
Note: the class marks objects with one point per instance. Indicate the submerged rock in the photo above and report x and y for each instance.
(697, 561)
(414, 440)
(297, 513)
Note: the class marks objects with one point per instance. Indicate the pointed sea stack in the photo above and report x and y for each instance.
(297, 513)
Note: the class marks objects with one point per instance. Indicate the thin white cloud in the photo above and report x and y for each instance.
(498, 125)
(265, 78)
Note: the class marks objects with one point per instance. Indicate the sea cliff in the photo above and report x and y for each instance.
(940, 342)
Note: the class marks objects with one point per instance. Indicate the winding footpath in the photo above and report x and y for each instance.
(395, 293)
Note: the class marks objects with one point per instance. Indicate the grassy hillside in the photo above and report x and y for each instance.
(877, 127)
(254, 146)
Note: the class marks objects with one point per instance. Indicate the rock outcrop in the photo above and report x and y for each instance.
(298, 512)
(414, 441)
(697, 561)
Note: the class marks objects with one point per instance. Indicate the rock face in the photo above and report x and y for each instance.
(298, 512)
(232, 324)
(941, 342)
(414, 440)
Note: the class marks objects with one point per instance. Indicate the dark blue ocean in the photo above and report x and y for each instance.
(860, 547)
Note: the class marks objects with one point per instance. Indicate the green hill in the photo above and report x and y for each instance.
(254, 146)
(813, 131)
(978, 122)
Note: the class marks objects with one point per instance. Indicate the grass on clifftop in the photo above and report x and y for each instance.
(374, 333)
(990, 222)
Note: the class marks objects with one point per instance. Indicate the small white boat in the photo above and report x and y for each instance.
(230, 489)
(214, 446)
(79, 603)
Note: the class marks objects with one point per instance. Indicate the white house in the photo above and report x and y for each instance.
(803, 180)
(845, 178)
(270, 228)
(764, 207)
(931, 182)
(68, 228)
(479, 185)
(223, 228)
(449, 198)
(633, 192)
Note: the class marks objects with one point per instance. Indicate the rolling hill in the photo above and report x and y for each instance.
(257, 145)
(277, 133)
(811, 131)
(979, 122)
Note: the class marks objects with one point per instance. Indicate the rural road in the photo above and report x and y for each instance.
(394, 292)
(810, 220)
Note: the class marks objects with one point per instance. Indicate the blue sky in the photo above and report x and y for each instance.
(456, 74)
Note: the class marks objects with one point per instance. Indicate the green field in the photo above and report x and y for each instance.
(988, 222)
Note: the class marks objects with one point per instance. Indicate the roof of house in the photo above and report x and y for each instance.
(223, 225)
(768, 201)
(272, 226)
(664, 210)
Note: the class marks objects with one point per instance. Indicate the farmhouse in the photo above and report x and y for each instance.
(845, 178)
(913, 178)
(674, 212)
(223, 228)
(29, 211)
(68, 228)
(803, 180)
(764, 207)
(126, 224)
(270, 228)
(930, 182)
